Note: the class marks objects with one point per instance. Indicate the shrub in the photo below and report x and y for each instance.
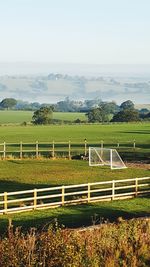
(123, 244)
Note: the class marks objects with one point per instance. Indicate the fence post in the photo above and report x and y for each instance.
(21, 150)
(4, 151)
(134, 143)
(69, 152)
(113, 189)
(35, 198)
(89, 195)
(63, 195)
(102, 144)
(136, 187)
(85, 147)
(53, 150)
(37, 149)
(5, 203)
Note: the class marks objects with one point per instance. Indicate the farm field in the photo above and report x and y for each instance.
(18, 117)
(28, 174)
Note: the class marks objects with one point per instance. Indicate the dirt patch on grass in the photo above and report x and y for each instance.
(139, 165)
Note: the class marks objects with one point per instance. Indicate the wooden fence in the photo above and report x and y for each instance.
(73, 194)
(54, 149)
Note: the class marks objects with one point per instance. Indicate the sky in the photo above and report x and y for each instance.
(75, 31)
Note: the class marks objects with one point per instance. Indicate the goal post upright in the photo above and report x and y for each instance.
(111, 159)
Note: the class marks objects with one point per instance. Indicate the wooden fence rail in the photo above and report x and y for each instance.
(53, 149)
(72, 194)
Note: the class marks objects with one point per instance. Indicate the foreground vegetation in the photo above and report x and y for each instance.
(111, 245)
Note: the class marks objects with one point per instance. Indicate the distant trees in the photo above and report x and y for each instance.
(8, 103)
(43, 115)
(96, 110)
(102, 113)
(127, 105)
(109, 111)
(95, 115)
(126, 115)
(147, 116)
(68, 105)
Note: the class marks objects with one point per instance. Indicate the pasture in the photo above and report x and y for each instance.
(18, 117)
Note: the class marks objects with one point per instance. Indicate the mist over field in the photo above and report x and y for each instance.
(50, 83)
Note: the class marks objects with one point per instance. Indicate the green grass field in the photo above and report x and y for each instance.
(28, 174)
(18, 117)
(80, 215)
(77, 133)
(111, 134)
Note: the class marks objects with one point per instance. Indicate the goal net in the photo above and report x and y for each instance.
(105, 156)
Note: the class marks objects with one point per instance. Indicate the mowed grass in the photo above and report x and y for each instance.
(18, 117)
(28, 174)
(80, 215)
(140, 132)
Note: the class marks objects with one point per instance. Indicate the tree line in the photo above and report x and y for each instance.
(97, 111)
(105, 112)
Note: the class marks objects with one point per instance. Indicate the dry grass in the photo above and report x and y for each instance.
(123, 244)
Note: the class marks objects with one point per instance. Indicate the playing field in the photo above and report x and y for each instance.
(27, 174)
(140, 132)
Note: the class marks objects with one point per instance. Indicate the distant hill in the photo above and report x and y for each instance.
(55, 87)
(140, 106)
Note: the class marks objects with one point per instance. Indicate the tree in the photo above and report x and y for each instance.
(97, 115)
(43, 115)
(127, 105)
(147, 116)
(126, 115)
(144, 111)
(8, 103)
(109, 107)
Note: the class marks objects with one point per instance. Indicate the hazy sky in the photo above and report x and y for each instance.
(75, 31)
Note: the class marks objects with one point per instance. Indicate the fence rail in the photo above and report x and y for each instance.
(72, 194)
(55, 149)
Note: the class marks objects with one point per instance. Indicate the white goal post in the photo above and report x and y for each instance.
(105, 156)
